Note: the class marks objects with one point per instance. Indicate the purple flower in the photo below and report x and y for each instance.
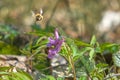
(54, 45)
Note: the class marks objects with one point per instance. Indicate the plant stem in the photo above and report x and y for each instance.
(70, 60)
(72, 65)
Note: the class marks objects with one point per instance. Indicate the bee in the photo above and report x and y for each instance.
(38, 15)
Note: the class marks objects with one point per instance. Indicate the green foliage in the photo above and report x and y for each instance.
(86, 60)
(109, 47)
(8, 49)
(36, 51)
(83, 78)
(116, 59)
(48, 77)
(36, 30)
(93, 45)
(81, 43)
(99, 71)
(80, 55)
(7, 32)
(7, 73)
(93, 41)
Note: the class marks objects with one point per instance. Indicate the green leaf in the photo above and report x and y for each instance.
(91, 54)
(116, 59)
(4, 73)
(93, 40)
(101, 67)
(80, 43)
(84, 50)
(4, 68)
(111, 47)
(98, 49)
(88, 65)
(50, 77)
(81, 52)
(41, 39)
(83, 78)
(21, 75)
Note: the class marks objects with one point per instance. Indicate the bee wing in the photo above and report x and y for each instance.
(41, 11)
(33, 14)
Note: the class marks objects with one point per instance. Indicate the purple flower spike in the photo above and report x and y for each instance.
(54, 45)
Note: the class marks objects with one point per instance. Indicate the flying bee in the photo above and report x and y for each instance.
(38, 15)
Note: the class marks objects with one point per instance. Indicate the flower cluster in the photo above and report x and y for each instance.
(54, 45)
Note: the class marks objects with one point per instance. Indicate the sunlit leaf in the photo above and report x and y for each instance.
(112, 47)
(82, 52)
(93, 41)
(91, 54)
(80, 43)
(83, 78)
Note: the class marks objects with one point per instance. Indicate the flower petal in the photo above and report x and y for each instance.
(51, 42)
(58, 46)
(51, 53)
(56, 34)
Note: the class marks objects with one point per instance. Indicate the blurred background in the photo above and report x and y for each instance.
(78, 18)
